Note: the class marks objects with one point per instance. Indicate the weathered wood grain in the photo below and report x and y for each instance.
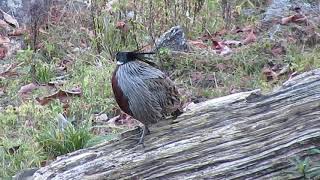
(242, 136)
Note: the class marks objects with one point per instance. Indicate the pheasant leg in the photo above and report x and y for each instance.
(143, 131)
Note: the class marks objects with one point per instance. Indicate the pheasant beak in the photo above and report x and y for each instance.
(119, 63)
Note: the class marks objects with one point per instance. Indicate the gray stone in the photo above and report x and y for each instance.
(282, 8)
(174, 39)
(279, 9)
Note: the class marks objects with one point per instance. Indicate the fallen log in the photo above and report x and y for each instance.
(241, 136)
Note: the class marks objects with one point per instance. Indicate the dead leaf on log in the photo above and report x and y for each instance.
(189, 106)
(123, 121)
(9, 19)
(62, 95)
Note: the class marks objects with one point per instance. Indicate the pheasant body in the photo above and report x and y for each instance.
(142, 90)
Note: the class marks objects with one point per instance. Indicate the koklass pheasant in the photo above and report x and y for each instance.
(143, 91)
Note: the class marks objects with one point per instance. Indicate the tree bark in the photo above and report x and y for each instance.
(241, 136)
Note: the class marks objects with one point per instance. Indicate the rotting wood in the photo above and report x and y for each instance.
(241, 136)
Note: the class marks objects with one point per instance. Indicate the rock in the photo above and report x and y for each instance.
(25, 174)
(174, 39)
(281, 8)
(21, 10)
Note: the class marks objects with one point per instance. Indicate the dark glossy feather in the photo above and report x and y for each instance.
(122, 100)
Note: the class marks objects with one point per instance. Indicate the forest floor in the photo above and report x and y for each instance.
(63, 76)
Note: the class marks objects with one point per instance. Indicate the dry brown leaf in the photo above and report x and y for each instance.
(40, 45)
(2, 92)
(294, 74)
(205, 37)
(62, 95)
(225, 51)
(285, 70)
(286, 20)
(198, 44)
(101, 118)
(221, 32)
(220, 48)
(297, 18)
(237, 30)
(189, 106)
(278, 51)
(17, 32)
(233, 43)
(90, 33)
(123, 121)
(3, 52)
(9, 19)
(9, 70)
(247, 29)
(218, 45)
(28, 88)
(41, 30)
(146, 48)
(64, 64)
(4, 25)
(197, 76)
(122, 26)
(4, 40)
(221, 66)
(251, 37)
(269, 74)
